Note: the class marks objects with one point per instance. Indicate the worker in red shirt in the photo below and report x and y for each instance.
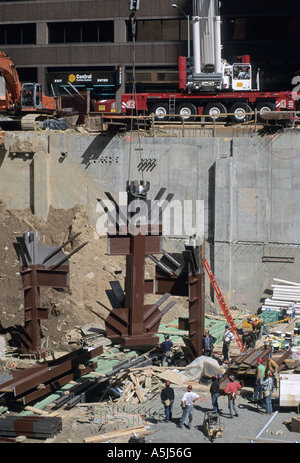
(231, 391)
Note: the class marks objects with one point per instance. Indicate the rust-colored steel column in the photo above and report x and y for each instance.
(133, 323)
(187, 279)
(196, 311)
(32, 316)
(39, 266)
(135, 275)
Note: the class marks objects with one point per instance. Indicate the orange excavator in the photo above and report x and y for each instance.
(24, 103)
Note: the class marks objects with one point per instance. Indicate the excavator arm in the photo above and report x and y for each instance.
(9, 72)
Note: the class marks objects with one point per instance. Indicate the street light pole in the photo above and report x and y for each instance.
(174, 5)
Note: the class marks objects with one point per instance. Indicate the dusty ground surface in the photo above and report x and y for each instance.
(252, 425)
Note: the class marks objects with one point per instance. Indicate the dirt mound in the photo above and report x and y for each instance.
(90, 272)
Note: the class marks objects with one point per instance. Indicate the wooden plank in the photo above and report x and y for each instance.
(173, 377)
(137, 387)
(127, 392)
(115, 434)
(36, 410)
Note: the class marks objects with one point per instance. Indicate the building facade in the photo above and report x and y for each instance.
(88, 44)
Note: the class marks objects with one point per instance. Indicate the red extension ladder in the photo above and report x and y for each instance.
(223, 304)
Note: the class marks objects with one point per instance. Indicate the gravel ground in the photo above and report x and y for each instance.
(252, 424)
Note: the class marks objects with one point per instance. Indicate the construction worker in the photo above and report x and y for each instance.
(259, 373)
(272, 367)
(167, 397)
(166, 346)
(231, 391)
(227, 338)
(248, 339)
(267, 388)
(208, 344)
(215, 392)
(187, 404)
(257, 327)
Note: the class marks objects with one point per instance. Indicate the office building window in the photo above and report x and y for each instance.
(158, 30)
(81, 32)
(21, 34)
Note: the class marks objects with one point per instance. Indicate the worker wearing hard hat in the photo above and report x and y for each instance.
(166, 346)
(215, 392)
(167, 396)
(257, 327)
(259, 373)
(231, 390)
(187, 404)
(227, 338)
(267, 386)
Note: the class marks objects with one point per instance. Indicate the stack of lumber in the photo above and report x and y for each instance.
(286, 295)
(140, 385)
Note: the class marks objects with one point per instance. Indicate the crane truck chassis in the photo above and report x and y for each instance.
(217, 105)
(220, 107)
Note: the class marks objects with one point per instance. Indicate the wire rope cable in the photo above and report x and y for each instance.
(134, 94)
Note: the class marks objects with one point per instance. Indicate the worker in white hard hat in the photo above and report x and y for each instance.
(227, 338)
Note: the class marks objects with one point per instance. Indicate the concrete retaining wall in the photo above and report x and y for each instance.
(243, 192)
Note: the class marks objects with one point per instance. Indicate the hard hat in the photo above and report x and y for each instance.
(259, 360)
(219, 376)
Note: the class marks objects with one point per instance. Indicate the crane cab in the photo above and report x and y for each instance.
(31, 96)
(241, 77)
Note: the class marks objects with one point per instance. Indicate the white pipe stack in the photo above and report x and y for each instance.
(218, 46)
(196, 45)
(285, 295)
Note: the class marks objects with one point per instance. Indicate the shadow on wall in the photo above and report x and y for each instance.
(95, 149)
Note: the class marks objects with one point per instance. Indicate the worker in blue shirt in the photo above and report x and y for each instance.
(166, 346)
(208, 344)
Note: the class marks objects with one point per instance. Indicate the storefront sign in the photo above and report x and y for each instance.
(93, 78)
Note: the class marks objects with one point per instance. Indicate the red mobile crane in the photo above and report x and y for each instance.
(208, 84)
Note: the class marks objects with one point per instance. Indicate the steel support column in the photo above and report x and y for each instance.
(133, 322)
(39, 266)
